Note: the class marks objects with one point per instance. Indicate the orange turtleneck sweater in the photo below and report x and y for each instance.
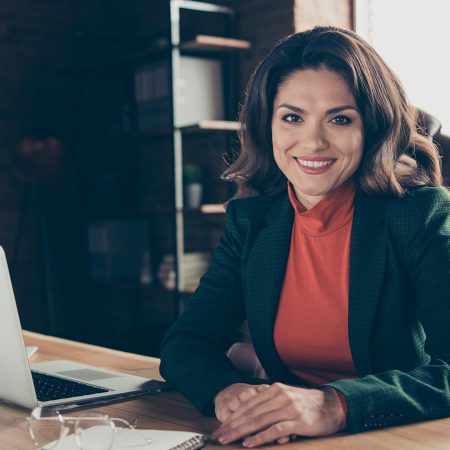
(311, 327)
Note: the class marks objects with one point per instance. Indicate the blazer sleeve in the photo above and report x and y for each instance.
(395, 397)
(193, 356)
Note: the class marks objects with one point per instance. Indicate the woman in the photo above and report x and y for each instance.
(340, 262)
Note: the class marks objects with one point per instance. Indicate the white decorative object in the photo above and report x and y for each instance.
(199, 93)
(193, 195)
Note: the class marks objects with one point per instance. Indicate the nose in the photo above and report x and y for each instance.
(313, 137)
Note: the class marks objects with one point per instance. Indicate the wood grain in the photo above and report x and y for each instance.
(171, 411)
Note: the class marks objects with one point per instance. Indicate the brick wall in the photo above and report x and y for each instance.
(40, 42)
(33, 51)
(264, 23)
(309, 13)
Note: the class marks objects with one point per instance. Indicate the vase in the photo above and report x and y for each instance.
(193, 193)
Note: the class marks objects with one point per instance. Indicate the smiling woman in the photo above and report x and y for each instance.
(336, 252)
(316, 130)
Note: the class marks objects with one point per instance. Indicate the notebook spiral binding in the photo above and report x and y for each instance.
(193, 443)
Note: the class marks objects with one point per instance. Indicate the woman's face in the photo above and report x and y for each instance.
(317, 133)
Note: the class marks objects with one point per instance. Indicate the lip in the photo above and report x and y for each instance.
(314, 171)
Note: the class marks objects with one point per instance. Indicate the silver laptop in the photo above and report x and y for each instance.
(63, 384)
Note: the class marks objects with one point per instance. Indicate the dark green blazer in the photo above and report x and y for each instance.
(399, 307)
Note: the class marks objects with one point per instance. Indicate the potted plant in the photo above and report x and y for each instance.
(192, 176)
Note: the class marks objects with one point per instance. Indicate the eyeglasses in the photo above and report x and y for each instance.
(92, 431)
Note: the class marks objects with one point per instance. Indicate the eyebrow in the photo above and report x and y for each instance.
(329, 111)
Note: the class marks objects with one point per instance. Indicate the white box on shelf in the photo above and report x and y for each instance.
(199, 91)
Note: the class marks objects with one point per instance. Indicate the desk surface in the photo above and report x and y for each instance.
(171, 411)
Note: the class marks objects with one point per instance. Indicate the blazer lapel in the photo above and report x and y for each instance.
(264, 275)
(367, 265)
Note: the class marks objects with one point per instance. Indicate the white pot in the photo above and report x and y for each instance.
(193, 192)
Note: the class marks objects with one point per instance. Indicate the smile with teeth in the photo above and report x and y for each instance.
(314, 164)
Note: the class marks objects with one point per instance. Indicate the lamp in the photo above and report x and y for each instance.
(37, 162)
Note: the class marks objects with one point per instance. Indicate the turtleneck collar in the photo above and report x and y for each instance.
(329, 215)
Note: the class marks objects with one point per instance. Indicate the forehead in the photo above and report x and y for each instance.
(315, 85)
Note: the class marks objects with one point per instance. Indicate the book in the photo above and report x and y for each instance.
(157, 440)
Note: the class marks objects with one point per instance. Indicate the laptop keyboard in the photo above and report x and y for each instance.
(49, 387)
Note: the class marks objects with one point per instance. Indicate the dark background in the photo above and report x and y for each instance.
(63, 73)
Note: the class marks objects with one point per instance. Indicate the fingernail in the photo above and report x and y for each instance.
(216, 434)
(247, 444)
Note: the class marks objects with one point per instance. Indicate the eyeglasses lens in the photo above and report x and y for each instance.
(128, 437)
(94, 432)
(45, 428)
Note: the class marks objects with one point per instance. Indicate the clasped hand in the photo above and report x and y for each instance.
(266, 413)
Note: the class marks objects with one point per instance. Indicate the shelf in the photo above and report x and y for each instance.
(202, 126)
(112, 212)
(203, 43)
(206, 209)
(212, 125)
(160, 49)
(130, 286)
(148, 134)
(211, 208)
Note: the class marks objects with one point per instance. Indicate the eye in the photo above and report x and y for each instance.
(291, 118)
(342, 120)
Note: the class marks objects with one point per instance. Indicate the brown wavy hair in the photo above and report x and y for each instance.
(395, 155)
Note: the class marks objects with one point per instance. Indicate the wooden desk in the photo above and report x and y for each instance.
(171, 411)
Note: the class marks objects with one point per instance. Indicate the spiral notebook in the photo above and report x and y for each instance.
(158, 440)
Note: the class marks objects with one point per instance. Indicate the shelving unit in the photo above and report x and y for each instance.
(200, 44)
(133, 169)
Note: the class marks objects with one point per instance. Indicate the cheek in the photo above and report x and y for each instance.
(353, 147)
(276, 145)
(279, 153)
(282, 141)
(358, 146)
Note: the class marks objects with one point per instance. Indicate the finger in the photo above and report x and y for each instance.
(247, 394)
(228, 408)
(223, 414)
(233, 405)
(249, 404)
(226, 402)
(264, 396)
(258, 411)
(262, 387)
(251, 426)
(242, 396)
(277, 431)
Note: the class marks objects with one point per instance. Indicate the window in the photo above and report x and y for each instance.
(412, 38)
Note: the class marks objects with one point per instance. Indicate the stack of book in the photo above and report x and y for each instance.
(118, 250)
(199, 93)
(152, 95)
(192, 266)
